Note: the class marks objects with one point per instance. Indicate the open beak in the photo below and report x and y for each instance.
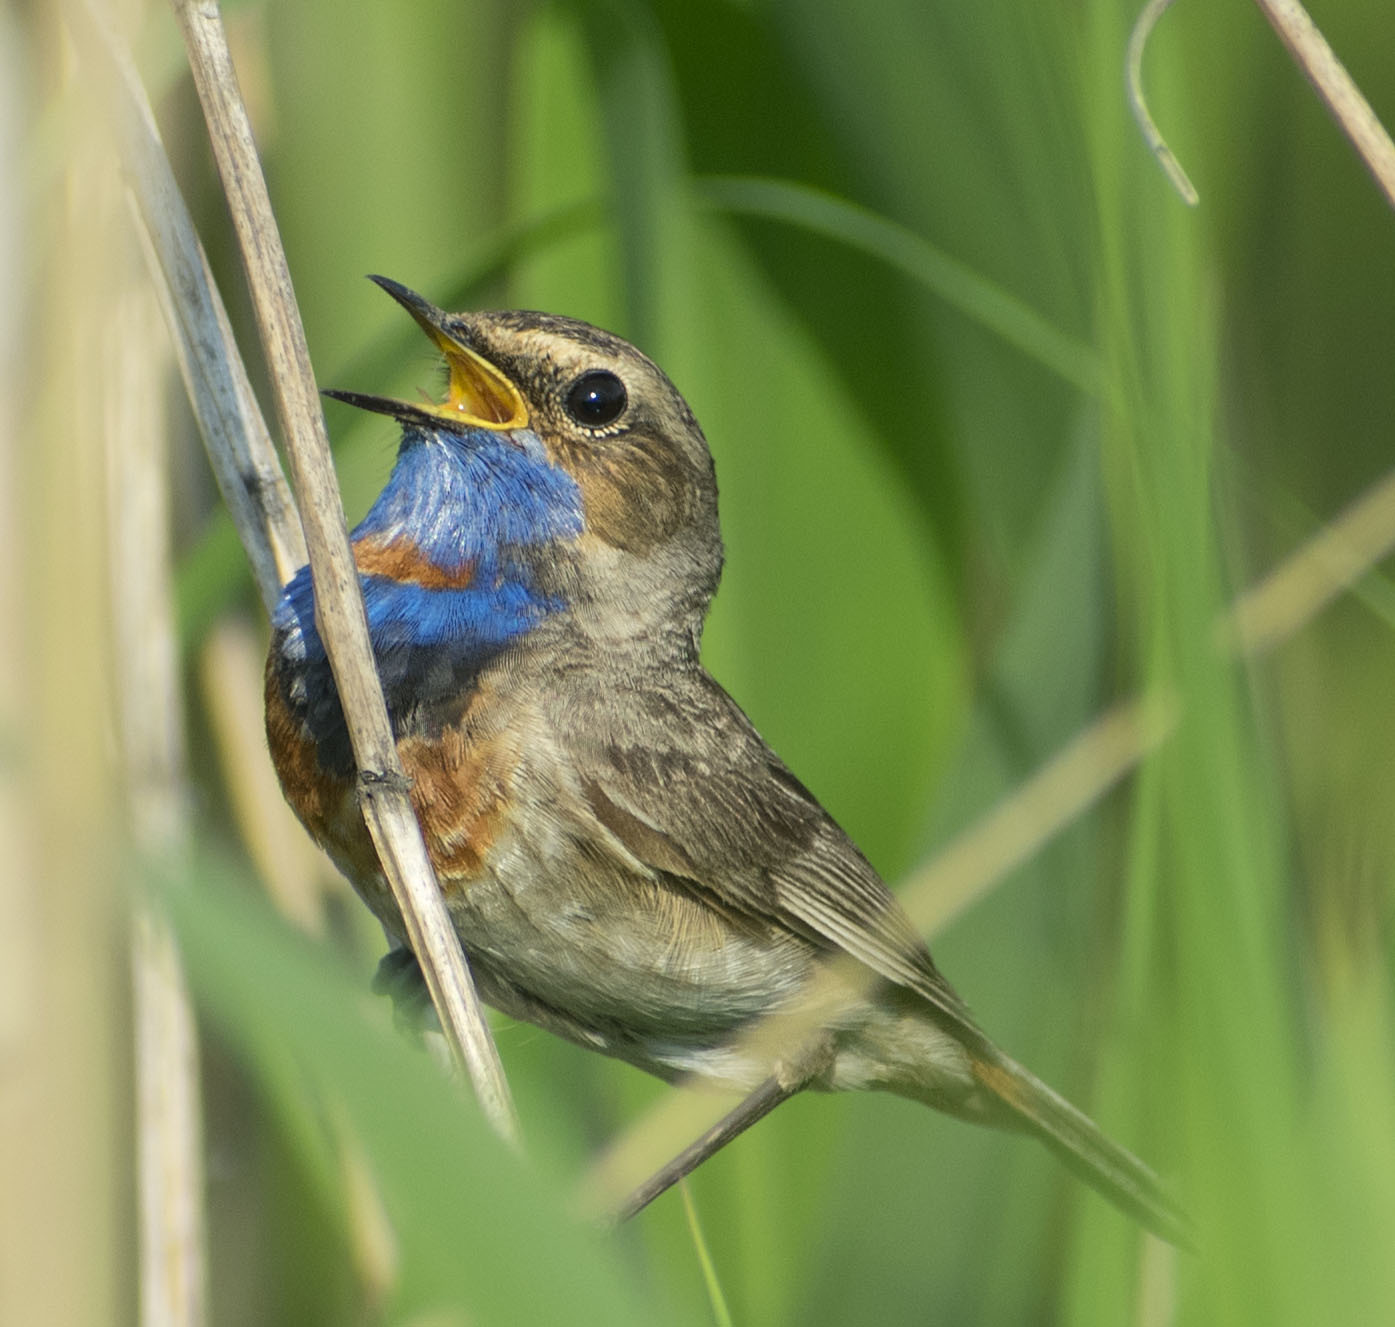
(479, 396)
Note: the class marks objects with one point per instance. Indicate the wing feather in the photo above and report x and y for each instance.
(702, 798)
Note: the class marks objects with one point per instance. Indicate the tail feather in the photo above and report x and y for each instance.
(1083, 1147)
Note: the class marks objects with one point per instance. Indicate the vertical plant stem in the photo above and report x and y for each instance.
(239, 447)
(63, 1038)
(339, 611)
(169, 1133)
(169, 1129)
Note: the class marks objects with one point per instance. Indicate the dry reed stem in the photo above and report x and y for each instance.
(1336, 88)
(373, 1243)
(1057, 795)
(1328, 563)
(339, 611)
(169, 1133)
(64, 1041)
(240, 451)
(169, 1128)
(32, 1086)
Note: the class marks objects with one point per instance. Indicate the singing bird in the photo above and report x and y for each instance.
(625, 860)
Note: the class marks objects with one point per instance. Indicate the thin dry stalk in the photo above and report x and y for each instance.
(64, 1042)
(1328, 563)
(1056, 796)
(240, 451)
(1336, 88)
(169, 1131)
(340, 616)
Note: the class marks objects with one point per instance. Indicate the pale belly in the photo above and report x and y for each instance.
(644, 972)
(632, 965)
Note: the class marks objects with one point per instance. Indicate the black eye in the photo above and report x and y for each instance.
(596, 398)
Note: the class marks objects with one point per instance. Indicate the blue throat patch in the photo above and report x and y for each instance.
(446, 556)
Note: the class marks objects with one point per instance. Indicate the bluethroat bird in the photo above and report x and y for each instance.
(625, 860)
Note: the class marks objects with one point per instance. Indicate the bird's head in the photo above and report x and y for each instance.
(558, 446)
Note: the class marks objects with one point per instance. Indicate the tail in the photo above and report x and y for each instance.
(1079, 1142)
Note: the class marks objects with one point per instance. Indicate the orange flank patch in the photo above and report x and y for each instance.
(314, 796)
(460, 792)
(326, 805)
(401, 560)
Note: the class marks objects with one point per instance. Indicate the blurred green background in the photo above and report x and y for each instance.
(1001, 427)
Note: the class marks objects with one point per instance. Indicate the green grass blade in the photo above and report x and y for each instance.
(956, 283)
